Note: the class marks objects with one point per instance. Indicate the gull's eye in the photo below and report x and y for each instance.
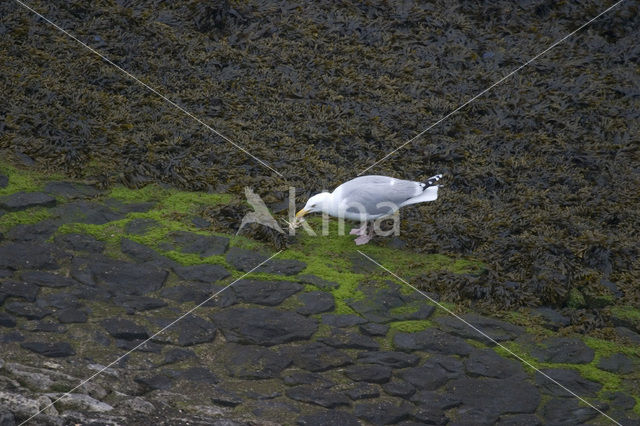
(313, 205)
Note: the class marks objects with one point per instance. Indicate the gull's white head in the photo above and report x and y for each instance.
(317, 203)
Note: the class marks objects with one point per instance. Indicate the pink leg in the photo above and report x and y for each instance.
(365, 236)
(359, 231)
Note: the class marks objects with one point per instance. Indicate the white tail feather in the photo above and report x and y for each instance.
(429, 194)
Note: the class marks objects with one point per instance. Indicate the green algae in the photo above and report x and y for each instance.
(410, 326)
(19, 180)
(24, 217)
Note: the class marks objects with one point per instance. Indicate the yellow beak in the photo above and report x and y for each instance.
(301, 213)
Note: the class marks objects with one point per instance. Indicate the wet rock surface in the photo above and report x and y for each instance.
(285, 347)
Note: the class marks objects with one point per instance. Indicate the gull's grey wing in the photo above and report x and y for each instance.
(369, 191)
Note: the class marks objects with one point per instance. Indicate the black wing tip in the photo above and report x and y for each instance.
(433, 179)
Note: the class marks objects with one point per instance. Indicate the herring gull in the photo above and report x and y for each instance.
(367, 198)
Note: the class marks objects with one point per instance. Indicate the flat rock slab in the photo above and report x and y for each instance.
(253, 362)
(28, 256)
(318, 396)
(496, 396)
(616, 363)
(317, 281)
(270, 293)
(563, 350)
(204, 273)
(342, 320)
(263, 326)
(316, 302)
(346, 339)
(80, 242)
(570, 379)
(389, 358)
(246, 260)
(316, 357)
(71, 190)
(51, 350)
(368, 373)
(139, 303)
(86, 212)
(496, 329)
(25, 200)
(203, 245)
(27, 310)
(432, 340)
(22, 290)
(434, 373)
(328, 418)
(118, 277)
(4, 181)
(190, 330)
(40, 231)
(139, 226)
(566, 411)
(124, 329)
(383, 412)
(47, 279)
(487, 363)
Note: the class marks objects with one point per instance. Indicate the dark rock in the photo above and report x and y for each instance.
(362, 391)
(203, 245)
(7, 320)
(47, 279)
(150, 383)
(45, 327)
(139, 303)
(563, 350)
(435, 372)
(508, 396)
(139, 226)
(430, 416)
(612, 287)
(496, 329)
(487, 363)
(142, 253)
(322, 397)
(86, 212)
(246, 260)
(316, 356)
(34, 232)
(27, 256)
(368, 373)
(432, 340)
(270, 293)
(317, 281)
(389, 358)
(5, 273)
(475, 416)
(22, 290)
(342, 320)
(124, 329)
(361, 265)
(13, 336)
(616, 363)
(254, 362)
(58, 301)
(305, 378)
(204, 273)
(263, 326)
(80, 242)
(348, 340)
(196, 374)
(139, 345)
(383, 412)
(328, 418)
(119, 277)
(374, 329)
(27, 310)
(224, 397)
(620, 400)
(316, 302)
(194, 293)
(439, 401)
(24, 200)
(126, 208)
(6, 417)
(72, 315)
(200, 222)
(52, 350)
(4, 181)
(399, 388)
(71, 190)
(564, 411)
(519, 420)
(626, 333)
(178, 355)
(570, 379)
(190, 330)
